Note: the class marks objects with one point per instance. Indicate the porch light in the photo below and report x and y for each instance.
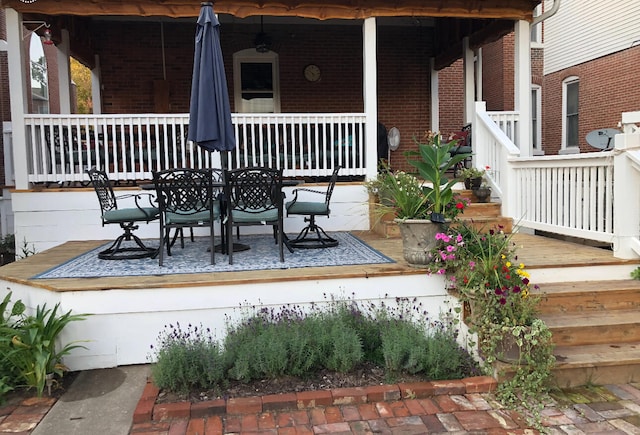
(262, 41)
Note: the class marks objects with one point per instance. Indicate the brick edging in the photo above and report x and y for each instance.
(147, 410)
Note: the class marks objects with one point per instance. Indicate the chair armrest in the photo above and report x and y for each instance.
(137, 197)
(303, 189)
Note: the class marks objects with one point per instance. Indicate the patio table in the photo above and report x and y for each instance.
(237, 247)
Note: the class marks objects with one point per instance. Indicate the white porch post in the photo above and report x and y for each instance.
(626, 208)
(369, 41)
(522, 91)
(64, 72)
(96, 85)
(469, 81)
(478, 71)
(435, 97)
(18, 87)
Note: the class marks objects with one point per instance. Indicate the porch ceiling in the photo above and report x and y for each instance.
(319, 9)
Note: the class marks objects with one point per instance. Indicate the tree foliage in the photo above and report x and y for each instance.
(81, 76)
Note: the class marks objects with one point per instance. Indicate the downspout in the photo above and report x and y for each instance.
(551, 12)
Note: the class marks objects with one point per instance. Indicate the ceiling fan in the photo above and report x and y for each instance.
(262, 41)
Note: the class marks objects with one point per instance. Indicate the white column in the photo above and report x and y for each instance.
(96, 87)
(19, 90)
(626, 209)
(435, 97)
(522, 88)
(369, 41)
(64, 72)
(478, 70)
(469, 81)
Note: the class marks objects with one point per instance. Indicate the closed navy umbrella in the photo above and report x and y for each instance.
(209, 113)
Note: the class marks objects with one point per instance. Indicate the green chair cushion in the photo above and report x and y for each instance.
(244, 217)
(301, 207)
(130, 215)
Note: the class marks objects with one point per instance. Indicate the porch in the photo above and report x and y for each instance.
(129, 312)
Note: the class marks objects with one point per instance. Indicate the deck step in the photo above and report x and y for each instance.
(597, 364)
(590, 296)
(596, 329)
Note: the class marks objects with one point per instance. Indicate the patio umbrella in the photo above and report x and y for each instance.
(209, 113)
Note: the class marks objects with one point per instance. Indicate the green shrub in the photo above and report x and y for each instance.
(268, 343)
(186, 359)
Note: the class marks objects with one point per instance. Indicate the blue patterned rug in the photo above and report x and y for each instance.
(194, 258)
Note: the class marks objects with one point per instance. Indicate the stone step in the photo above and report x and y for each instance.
(590, 296)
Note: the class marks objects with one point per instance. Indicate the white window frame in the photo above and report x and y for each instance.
(536, 98)
(565, 148)
(250, 55)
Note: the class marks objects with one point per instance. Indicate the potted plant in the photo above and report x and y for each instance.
(419, 209)
(433, 160)
(502, 307)
(472, 177)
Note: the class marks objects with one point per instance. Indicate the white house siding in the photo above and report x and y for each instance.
(50, 218)
(583, 30)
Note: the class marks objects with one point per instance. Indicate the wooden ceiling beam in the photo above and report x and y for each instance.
(345, 9)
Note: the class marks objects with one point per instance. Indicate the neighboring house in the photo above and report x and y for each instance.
(584, 73)
(591, 73)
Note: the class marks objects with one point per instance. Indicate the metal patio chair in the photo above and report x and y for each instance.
(187, 199)
(127, 218)
(254, 197)
(313, 236)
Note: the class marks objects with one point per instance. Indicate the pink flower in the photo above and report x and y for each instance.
(459, 238)
(451, 248)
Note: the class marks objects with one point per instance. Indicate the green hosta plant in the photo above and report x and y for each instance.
(433, 160)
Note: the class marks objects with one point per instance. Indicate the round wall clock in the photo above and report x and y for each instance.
(312, 73)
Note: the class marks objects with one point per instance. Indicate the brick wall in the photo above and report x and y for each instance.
(608, 87)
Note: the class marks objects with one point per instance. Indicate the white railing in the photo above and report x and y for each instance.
(571, 195)
(507, 121)
(589, 196)
(61, 147)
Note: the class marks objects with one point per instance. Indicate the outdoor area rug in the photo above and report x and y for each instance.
(194, 258)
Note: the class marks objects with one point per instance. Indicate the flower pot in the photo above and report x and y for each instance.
(482, 194)
(472, 183)
(418, 238)
(508, 350)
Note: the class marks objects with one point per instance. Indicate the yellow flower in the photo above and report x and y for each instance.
(508, 264)
(503, 256)
(521, 266)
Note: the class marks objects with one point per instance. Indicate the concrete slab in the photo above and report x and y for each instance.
(99, 401)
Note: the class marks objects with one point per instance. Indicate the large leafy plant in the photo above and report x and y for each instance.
(433, 159)
(29, 343)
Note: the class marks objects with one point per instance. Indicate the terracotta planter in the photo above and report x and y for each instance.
(418, 238)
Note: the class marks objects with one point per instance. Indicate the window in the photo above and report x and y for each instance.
(570, 108)
(256, 82)
(536, 122)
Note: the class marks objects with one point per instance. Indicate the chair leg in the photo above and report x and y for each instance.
(305, 239)
(117, 252)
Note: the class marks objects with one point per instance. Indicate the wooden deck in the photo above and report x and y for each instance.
(536, 252)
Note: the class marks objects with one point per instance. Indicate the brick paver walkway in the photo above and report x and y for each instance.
(462, 407)
(448, 407)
